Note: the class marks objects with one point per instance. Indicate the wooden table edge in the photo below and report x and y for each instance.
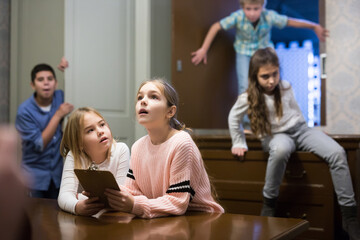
(294, 231)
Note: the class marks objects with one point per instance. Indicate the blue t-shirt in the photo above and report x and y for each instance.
(249, 39)
(43, 164)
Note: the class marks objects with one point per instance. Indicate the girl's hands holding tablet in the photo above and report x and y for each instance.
(120, 200)
(88, 207)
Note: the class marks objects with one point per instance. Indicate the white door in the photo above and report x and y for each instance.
(99, 45)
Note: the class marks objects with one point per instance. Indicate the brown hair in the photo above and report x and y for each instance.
(73, 137)
(172, 99)
(258, 112)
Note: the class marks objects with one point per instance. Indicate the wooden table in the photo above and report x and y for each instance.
(49, 222)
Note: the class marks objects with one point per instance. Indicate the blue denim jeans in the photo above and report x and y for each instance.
(242, 71)
(51, 193)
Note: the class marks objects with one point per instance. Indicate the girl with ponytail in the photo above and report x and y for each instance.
(167, 174)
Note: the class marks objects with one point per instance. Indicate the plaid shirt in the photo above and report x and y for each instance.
(248, 39)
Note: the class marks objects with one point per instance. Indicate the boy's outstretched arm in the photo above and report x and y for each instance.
(320, 32)
(200, 55)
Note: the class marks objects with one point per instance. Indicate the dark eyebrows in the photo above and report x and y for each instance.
(275, 72)
(265, 75)
(269, 74)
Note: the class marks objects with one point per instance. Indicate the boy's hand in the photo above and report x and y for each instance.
(239, 152)
(321, 32)
(88, 207)
(199, 56)
(120, 200)
(64, 109)
(63, 64)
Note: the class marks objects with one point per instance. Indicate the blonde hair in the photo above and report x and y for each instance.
(171, 96)
(243, 2)
(72, 139)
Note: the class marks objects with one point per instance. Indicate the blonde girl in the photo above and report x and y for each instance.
(276, 119)
(167, 174)
(88, 142)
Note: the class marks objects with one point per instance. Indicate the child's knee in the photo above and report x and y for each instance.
(337, 156)
(280, 153)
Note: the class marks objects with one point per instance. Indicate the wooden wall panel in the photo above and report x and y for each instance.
(207, 92)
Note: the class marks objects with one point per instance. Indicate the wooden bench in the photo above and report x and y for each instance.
(306, 191)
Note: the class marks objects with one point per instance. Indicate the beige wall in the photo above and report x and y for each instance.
(4, 59)
(160, 39)
(37, 36)
(343, 67)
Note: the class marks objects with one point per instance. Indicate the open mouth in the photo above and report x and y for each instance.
(143, 111)
(103, 139)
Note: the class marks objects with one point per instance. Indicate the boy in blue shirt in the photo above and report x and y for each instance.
(253, 26)
(38, 121)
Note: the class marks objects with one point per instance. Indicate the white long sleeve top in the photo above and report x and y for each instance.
(292, 114)
(118, 165)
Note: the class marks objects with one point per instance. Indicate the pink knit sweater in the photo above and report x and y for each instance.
(169, 178)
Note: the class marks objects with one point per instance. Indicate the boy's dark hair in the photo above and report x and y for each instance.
(41, 67)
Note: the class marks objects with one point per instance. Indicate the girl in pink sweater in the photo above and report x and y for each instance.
(167, 174)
